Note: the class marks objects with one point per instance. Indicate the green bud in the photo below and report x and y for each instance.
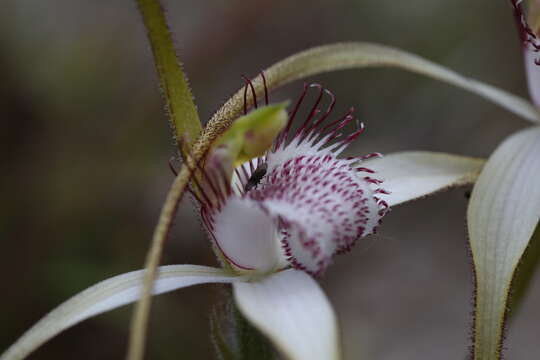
(250, 136)
(261, 128)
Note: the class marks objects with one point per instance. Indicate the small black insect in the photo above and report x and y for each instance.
(256, 177)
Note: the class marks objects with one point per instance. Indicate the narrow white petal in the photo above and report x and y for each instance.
(503, 213)
(107, 295)
(533, 75)
(341, 56)
(413, 174)
(291, 309)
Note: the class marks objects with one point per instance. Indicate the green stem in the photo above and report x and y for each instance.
(186, 125)
(182, 111)
(252, 344)
(234, 338)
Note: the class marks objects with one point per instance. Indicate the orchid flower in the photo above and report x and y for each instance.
(277, 236)
(277, 219)
(308, 206)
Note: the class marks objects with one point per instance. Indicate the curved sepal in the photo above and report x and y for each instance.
(107, 295)
(503, 212)
(413, 174)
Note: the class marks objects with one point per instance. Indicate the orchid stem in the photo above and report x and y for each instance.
(183, 116)
(251, 343)
(186, 126)
(233, 336)
(142, 308)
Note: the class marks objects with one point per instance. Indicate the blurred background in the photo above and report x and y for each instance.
(85, 146)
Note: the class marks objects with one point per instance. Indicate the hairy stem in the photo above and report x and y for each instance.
(186, 126)
(182, 111)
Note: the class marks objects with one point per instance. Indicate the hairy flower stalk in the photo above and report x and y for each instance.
(307, 204)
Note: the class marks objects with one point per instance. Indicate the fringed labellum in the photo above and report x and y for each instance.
(297, 204)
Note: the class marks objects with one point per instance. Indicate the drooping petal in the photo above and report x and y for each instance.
(290, 308)
(413, 174)
(503, 212)
(107, 295)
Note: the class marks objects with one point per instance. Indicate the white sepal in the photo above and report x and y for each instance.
(414, 174)
(340, 56)
(107, 295)
(291, 309)
(503, 212)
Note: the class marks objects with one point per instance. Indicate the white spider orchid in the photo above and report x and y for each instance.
(308, 206)
(274, 237)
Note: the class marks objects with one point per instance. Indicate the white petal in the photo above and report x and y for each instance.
(246, 235)
(413, 174)
(290, 308)
(503, 212)
(533, 75)
(107, 295)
